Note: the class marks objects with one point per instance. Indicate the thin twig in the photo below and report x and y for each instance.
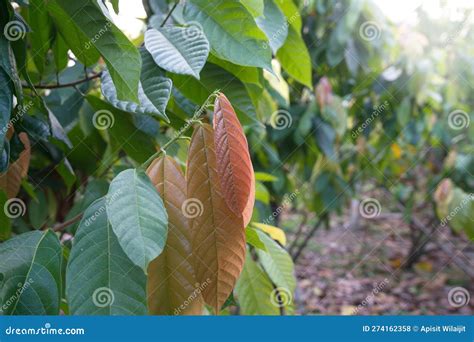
(60, 226)
(169, 13)
(63, 85)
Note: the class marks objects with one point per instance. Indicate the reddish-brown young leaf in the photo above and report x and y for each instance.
(218, 234)
(171, 287)
(10, 181)
(233, 158)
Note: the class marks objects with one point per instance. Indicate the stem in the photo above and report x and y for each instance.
(63, 85)
(60, 226)
(169, 13)
(180, 133)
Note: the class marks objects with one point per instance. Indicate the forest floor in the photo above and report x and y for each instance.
(361, 271)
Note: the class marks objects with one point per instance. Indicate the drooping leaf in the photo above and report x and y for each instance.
(145, 106)
(294, 58)
(233, 159)
(30, 265)
(253, 239)
(275, 232)
(231, 31)
(172, 287)
(273, 23)
(156, 85)
(277, 263)
(138, 216)
(40, 35)
(254, 290)
(293, 16)
(177, 49)
(10, 181)
(218, 239)
(85, 28)
(100, 278)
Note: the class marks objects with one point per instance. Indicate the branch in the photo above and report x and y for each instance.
(60, 226)
(63, 85)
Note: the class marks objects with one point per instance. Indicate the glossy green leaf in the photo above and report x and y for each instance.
(294, 58)
(254, 290)
(30, 264)
(293, 16)
(156, 86)
(231, 31)
(138, 216)
(180, 50)
(273, 23)
(253, 239)
(145, 106)
(277, 263)
(84, 26)
(111, 284)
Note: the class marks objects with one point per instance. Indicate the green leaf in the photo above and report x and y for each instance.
(277, 263)
(6, 103)
(38, 210)
(273, 23)
(254, 290)
(253, 239)
(253, 6)
(231, 31)
(156, 85)
(294, 58)
(111, 284)
(145, 106)
(291, 13)
(40, 34)
(31, 268)
(5, 223)
(246, 74)
(138, 216)
(178, 49)
(88, 28)
(261, 193)
(213, 78)
(265, 177)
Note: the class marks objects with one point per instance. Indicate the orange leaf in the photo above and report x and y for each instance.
(233, 158)
(10, 181)
(171, 284)
(218, 234)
